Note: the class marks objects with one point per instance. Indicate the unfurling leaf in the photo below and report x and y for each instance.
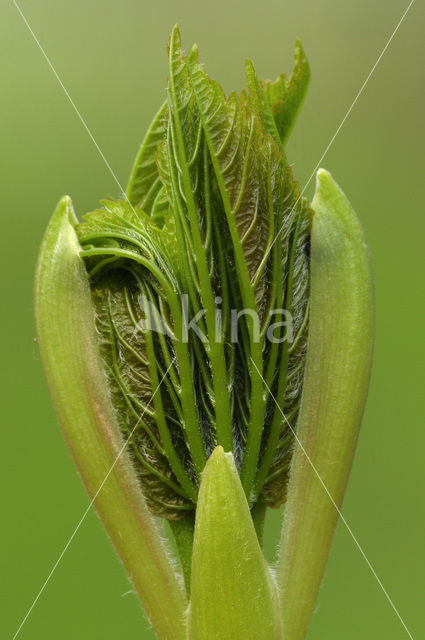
(216, 229)
(144, 188)
(286, 96)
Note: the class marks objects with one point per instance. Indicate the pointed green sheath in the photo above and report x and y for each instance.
(335, 387)
(72, 366)
(233, 595)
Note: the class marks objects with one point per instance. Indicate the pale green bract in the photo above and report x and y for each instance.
(258, 402)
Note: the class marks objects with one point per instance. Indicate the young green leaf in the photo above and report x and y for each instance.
(189, 187)
(144, 187)
(261, 104)
(131, 264)
(242, 159)
(286, 380)
(287, 96)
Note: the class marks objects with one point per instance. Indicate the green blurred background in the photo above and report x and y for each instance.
(111, 57)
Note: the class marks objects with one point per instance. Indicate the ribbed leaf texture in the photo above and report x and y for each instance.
(214, 229)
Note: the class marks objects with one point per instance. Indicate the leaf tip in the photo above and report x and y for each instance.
(193, 53)
(174, 42)
(299, 54)
(249, 65)
(298, 47)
